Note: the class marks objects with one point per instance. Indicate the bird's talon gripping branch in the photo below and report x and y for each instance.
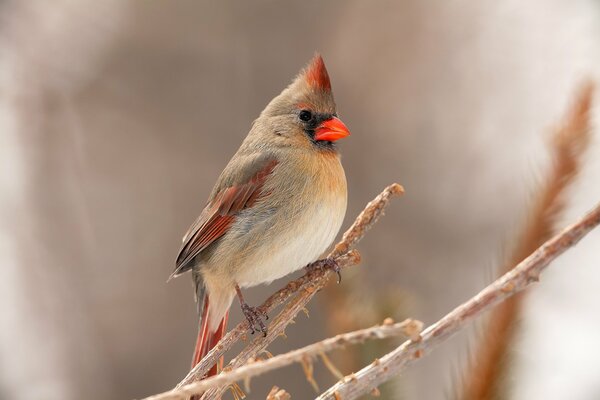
(254, 317)
(326, 263)
(253, 314)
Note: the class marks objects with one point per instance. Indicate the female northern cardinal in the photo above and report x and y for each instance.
(276, 207)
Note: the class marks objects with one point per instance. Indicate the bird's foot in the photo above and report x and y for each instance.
(254, 317)
(326, 263)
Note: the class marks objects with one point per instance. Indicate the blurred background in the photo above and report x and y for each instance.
(117, 117)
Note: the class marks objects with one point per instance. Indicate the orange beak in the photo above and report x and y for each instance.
(331, 130)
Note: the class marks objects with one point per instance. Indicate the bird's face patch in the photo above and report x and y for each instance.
(322, 128)
(304, 114)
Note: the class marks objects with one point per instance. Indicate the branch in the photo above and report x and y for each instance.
(514, 281)
(278, 394)
(304, 288)
(409, 328)
(240, 331)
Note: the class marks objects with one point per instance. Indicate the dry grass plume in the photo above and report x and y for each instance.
(484, 377)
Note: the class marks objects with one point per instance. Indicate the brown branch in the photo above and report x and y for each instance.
(278, 298)
(569, 141)
(304, 288)
(408, 328)
(278, 394)
(512, 282)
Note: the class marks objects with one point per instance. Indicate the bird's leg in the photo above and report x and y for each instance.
(252, 314)
(326, 263)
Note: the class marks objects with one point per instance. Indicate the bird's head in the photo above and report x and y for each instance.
(304, 114)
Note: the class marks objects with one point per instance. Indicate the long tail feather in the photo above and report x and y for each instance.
(206, 339)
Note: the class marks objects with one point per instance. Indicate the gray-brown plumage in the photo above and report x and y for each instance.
(276, 207)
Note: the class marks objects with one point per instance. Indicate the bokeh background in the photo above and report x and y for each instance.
(117, 117)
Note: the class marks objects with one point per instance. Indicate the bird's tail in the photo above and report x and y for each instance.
(207, 339)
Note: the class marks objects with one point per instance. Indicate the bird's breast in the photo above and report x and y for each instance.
(304, 224)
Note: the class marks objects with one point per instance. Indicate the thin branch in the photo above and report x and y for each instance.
(278, 298)
(514, 281)
(307, 285)
(408, 328)
(278, 394)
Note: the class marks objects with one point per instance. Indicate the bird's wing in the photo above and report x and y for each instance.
(238, 188)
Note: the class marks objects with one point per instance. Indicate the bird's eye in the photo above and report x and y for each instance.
(305, 115)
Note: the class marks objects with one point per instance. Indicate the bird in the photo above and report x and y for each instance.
(276, 207)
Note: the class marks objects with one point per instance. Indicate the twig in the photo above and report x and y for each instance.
(240, 331)
(278, 394)
(514, 281)
(409, 328)
(307, 285)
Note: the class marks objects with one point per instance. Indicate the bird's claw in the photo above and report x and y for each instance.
(327, 263)
(254, 317)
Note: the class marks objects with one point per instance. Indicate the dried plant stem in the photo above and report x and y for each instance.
(409, 328)
(512, 282)
(241, 330)
(570, 140)
(278, 394)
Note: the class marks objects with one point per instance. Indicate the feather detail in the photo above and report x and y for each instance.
(316, 74)
(219, 214)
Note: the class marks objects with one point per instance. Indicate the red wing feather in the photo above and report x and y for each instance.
(219, 214)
